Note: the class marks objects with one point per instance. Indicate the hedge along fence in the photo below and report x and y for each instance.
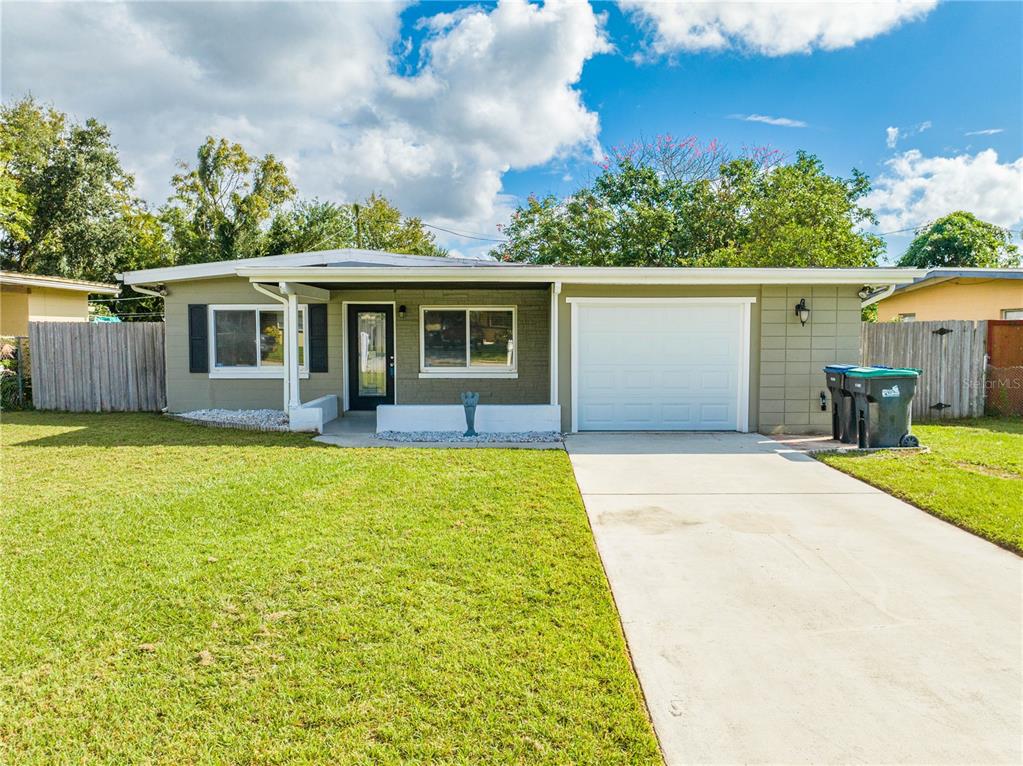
(98, 367)
(952, 356)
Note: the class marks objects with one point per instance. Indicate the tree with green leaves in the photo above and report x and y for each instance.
(374, 224)
(311, 225)
(379, 225)
(752, 210)
(68, 207)
(961, 239)
(220, 207)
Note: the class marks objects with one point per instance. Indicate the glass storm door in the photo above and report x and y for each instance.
(370, 356)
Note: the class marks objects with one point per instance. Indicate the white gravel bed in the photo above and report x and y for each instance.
(253, 420)
(516, 437)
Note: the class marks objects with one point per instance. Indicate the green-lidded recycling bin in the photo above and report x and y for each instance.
(883, 400)
(842, 403)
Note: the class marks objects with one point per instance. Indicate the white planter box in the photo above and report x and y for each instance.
(490, 418)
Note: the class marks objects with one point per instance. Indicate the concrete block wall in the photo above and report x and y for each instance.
(792, 355)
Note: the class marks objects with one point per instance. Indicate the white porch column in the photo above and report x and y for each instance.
(555, 292)
(291, 353)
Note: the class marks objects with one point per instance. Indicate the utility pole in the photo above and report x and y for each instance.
(358, 227)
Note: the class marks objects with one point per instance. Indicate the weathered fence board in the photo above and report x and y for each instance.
(97, 367)
(951, 355)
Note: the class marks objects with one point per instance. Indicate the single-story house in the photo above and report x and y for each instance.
(546, 347)
(28, 298)
(943, 294)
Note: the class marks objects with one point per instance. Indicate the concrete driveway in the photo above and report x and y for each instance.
(779, 611)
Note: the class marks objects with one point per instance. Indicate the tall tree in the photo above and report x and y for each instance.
(667, 207)
(220, 207)
(961, 239)
(68, 207)
(311, 225)
(379, 225)
(796, 215)
(374, 224)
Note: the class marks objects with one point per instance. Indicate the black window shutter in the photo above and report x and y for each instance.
(198, 338)
(318, 337)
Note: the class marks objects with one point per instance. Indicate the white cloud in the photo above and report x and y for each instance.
(781, 122)
(893, 135)
(769, 27)
(318, 84)
(985, 132)
(915, 189)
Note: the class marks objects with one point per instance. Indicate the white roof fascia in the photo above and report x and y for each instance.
(584, 275)
(58, 283)
(294, 260)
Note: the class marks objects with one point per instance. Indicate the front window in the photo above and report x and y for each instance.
(471, 340)
(249, 340)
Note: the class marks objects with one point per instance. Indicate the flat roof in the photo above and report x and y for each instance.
(365, 266)
(937, 276)
(57, 283)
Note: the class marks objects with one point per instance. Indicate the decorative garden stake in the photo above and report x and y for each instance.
(469, 401)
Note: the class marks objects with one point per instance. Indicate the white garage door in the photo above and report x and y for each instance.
(672, 366)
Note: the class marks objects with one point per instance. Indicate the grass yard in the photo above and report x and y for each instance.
(973, 476)
(175, 594)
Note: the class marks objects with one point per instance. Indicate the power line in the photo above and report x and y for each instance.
(139, 314)
(463, 234)
(114, 300)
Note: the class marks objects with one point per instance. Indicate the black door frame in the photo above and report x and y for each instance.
(355, 401)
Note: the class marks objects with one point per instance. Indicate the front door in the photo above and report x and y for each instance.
(370, 356)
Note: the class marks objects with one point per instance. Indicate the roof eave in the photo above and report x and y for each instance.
(78, 286)
(584, 275)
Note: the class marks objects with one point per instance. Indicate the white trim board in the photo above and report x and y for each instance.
(580, 275)
(746, 329)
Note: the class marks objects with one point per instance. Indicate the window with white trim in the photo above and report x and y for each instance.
(1012, 313)
(468, 341)
(248, 341)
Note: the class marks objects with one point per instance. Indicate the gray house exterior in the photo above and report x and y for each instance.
(546, 347)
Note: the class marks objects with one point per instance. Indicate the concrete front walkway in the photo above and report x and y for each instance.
(779, 611)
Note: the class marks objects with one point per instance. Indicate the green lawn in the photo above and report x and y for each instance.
(175, 594)
(973, 475)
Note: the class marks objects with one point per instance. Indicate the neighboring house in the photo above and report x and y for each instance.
(954, 294)
(546, 347)
(28, 298)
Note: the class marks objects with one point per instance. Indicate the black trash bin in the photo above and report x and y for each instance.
(842, 403)
(883, 405)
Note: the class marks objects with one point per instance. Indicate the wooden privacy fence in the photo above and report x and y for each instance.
(951, 354)
(97, 367)
(1005, 367)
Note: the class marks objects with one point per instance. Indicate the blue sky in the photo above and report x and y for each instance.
(961, 69)
(457, 112)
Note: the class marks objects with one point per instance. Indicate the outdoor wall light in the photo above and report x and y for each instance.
(802, 311)
(401, 311)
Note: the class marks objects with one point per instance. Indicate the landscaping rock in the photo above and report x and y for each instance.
(253, 420)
